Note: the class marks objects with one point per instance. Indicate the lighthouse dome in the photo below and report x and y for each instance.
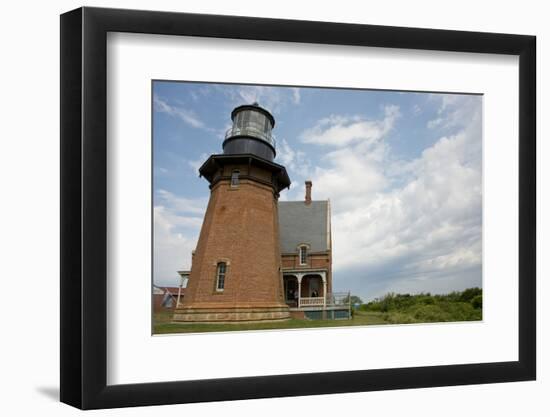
(251, 132)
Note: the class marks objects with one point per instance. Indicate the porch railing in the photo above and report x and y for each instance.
(338, 299)
(311, 301)
(331, 300)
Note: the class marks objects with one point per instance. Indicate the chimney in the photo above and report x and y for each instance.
(308, 192)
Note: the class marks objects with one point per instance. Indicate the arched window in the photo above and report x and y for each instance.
(235, 178)
(303, 255)
(220, 276)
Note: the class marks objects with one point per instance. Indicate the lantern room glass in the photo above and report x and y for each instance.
(254, 123)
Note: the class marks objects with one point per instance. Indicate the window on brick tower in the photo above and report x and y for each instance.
(220, 276)
(303, 255)
(235, 178)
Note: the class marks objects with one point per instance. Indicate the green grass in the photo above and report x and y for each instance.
(163, 324)
(390, 309)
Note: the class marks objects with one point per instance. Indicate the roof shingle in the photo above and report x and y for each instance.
(304, 223)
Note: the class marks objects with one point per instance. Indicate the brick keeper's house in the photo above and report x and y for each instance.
(258, 259)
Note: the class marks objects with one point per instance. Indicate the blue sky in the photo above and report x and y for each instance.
(402, 171)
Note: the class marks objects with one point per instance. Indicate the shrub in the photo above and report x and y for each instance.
(468, 294)
(424, 307)
(477, 301)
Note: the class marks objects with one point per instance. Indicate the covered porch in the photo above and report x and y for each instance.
(309, 290)
(305, 288)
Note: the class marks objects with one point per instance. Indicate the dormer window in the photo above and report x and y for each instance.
(303, 255)
(235, 178)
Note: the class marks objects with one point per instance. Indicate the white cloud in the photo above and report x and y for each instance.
(415, 225)
(268, 97)
(437, 213)
(453, 111)
(194, 96)
(353, 173)
(295, 161)
(343, 130)
(195, 164)
(349, 176)
(177, 223)
(172, 250)
(296, 95)
(181, 204)
(271, 98)
(187, 116)
(432, 124)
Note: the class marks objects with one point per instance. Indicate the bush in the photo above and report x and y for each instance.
(424, 307)
(477, 301)
(468, 294)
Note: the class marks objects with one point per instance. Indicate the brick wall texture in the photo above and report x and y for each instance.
(240, 228)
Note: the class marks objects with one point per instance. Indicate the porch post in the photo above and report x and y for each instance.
(179, 291)
(299, 276)
(324, 276)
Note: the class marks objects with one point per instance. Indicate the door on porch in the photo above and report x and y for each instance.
(312, 286)
(291, 290)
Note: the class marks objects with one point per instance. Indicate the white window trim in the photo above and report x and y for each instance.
(218, 289)
(238, 172)
(304, 248)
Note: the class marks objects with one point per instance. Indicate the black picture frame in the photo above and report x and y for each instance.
(84, 207)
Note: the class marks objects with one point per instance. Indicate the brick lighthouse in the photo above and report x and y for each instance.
(236, 272)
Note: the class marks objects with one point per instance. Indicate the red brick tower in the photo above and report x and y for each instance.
(236, 271)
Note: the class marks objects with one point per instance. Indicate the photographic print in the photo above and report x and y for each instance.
(367, 181)
(286, 207)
